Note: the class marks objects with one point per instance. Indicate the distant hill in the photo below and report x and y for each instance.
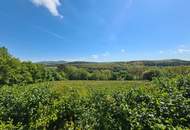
(170, 62)
(52, 63)
(160, 63)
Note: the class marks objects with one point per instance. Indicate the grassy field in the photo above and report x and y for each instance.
(86, 87)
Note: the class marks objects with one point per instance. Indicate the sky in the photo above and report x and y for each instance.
(96, 30)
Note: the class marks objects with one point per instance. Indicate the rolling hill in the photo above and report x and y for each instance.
(161, 63)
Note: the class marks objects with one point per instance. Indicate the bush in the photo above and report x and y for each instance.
(29, 106)
(150, 74)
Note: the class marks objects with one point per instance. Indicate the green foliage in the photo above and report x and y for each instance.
(74, 73)
(101, 75)
(163, 103)
(27, 106)
(13, 71)
(39, 107)
(122, 75)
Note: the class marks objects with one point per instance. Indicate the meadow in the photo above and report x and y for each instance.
(85, 87)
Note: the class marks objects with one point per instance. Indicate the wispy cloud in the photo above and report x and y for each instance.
(182, 50)
(51, 5)
(106, 54)
(98, 57)
(95, 56)
(56, 35)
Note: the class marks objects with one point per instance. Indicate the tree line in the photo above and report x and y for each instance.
(13, 71)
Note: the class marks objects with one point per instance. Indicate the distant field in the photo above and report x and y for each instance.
(86, 87)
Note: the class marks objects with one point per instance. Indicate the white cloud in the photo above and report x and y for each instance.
(179, 50)
(51, 5)
(95, 56)
(182, 50)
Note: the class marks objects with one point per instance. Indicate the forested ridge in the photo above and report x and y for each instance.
(159, 63)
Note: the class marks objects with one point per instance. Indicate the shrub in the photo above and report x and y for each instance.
(31, 106)
(150, 74)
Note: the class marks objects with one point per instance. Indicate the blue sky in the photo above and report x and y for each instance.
(96, 30)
